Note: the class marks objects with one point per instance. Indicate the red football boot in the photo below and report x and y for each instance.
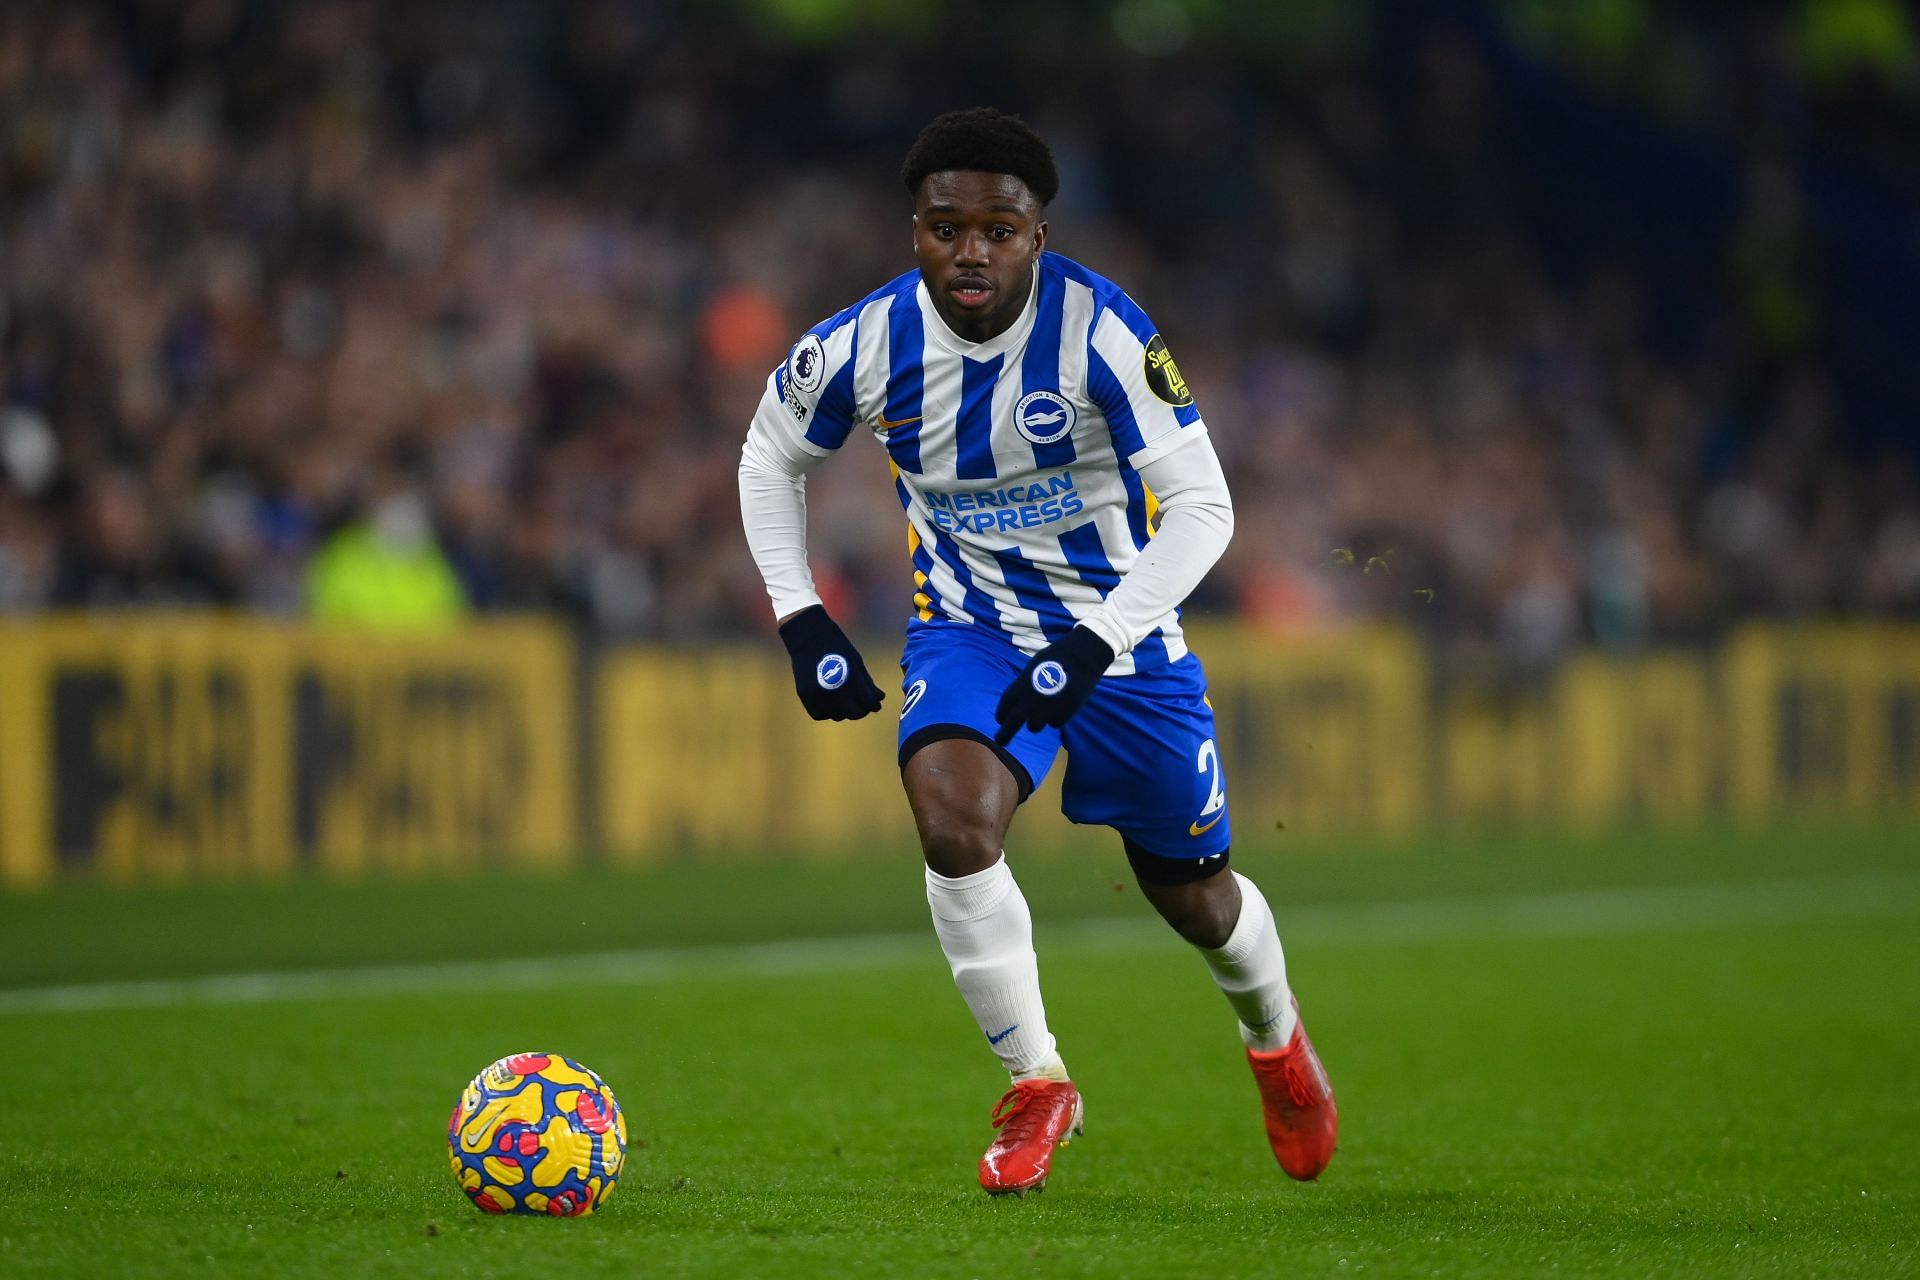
(1298, 1104)
(1033, 1118)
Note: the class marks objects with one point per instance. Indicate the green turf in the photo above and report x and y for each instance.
(1732, 1096)
(83, 931)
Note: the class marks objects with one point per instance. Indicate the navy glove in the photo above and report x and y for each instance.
(832, 682)
(1056, 681)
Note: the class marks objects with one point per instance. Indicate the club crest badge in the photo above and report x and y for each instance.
(1044, 417)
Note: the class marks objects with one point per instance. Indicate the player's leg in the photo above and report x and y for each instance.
(1143, 759)
(963, 797)
(963, 791)
(1227, 919)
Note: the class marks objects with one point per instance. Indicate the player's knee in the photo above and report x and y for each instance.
(1210, 920)
(962, 800)
(1197, 896)
(962, 825)
(1203, 919)
(958, 843)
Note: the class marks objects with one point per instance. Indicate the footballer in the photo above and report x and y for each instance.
(1062, 498)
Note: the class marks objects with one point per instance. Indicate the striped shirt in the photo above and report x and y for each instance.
(1016, 460)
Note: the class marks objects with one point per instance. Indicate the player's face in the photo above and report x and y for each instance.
(977, 236)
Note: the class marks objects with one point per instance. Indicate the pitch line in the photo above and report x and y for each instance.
(1579, 914)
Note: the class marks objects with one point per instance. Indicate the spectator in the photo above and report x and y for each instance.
(252, 252)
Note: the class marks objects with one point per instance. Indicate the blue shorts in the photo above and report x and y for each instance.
(1141, 754)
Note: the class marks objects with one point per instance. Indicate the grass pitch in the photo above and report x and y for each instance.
(1688, 1054)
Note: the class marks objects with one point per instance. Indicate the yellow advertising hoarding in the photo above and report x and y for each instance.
(135, 745)
(711, 751)
(1638, 737)
(1823, 718)
(147, 746)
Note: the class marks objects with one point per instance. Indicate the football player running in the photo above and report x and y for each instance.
(1062, 498)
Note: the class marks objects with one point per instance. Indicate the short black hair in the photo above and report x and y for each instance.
(982, 140)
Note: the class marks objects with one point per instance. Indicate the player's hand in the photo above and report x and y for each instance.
(1056, 681)
(832, 682)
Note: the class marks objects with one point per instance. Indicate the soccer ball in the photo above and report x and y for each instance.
(537, 1133)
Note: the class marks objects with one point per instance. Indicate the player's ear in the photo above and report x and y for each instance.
(1039, 240)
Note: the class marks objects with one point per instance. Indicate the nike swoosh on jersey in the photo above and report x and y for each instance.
(1195, 829)
(884, 425)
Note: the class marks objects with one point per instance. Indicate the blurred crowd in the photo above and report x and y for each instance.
(480, 298)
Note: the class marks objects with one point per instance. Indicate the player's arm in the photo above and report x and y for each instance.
(1157, 429)
(1195, 526)
(828, 673)
(1196, 523)
(773, 507)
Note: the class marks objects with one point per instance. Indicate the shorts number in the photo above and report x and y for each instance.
(1208, 763)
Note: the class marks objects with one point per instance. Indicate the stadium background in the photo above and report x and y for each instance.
(1556, 348)
(372, 377)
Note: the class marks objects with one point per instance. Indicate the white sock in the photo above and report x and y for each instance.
(1252, 972)
(987, 933)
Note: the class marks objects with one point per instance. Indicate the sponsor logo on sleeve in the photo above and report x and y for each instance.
(795, 405)
(807, 366)
(1163, 375)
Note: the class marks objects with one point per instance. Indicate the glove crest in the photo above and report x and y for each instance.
(828, 674)
(1053, 685)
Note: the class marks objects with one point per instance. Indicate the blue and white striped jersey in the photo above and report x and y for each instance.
(1017, 460)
